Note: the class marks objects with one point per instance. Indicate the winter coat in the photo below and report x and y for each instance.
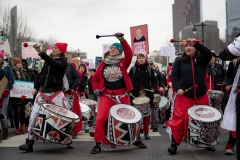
(72, 76)
(217, 77)
(182, 73)
(9, 74)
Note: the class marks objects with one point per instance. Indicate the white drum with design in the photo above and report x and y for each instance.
(203, 126)
(123, 124)
(91, 104)
(85, 110)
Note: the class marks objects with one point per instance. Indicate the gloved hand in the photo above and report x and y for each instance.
(96, 93)
(5, 93)
(119, 36)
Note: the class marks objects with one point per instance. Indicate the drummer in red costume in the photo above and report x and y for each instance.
(111, 82)
(188, 79)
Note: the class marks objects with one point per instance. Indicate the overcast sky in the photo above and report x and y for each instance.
(77, 22)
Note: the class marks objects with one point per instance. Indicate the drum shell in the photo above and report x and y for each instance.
(198, 132)
(91, 104)
(164, 104)
(156, 98)
(143, 108)
(122, 133)
(54, 127)
(85, 109)
(216, 95)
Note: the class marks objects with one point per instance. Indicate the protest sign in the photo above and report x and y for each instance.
(22, 88)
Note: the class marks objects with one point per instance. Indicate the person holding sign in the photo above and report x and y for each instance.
(50, 87)
(7, 71)
(188, 79)
(18, 104)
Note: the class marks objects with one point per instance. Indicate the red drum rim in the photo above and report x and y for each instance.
(125, 113)
(204, 113)
(60, 111)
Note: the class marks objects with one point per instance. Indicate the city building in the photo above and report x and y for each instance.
(185, 12)
(232, 19)
(211, 35)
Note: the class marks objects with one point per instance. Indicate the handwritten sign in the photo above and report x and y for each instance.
(106, 48)
(22, 88)
(31, 55)
(167, 51)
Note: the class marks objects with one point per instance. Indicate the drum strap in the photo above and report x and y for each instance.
(48, 99)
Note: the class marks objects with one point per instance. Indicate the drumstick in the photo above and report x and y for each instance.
(134, 97)
(210, 82)
(148, 90)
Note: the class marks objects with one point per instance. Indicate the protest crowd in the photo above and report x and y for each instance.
(115, 103)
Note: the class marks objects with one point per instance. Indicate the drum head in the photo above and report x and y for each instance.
(141, 100)
(84, 107)
(125, 113)
(60, 111)
(156, 95)
(88, 102)
(204, 113)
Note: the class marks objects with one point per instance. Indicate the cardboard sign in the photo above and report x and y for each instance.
(22, 88)
(167, 51)
(139, 39)
(31, 55)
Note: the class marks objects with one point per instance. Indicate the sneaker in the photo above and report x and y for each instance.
(96, 149)
(108, 147)
(146, 135)
(140, 144)
(17, 132)
(155, 130)
(229, 151)
(23, 129)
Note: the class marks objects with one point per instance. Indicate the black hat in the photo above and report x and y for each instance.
(213, 54)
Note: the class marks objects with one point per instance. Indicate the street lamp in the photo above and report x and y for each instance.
(195, 30)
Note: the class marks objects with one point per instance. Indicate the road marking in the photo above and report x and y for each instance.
(18, 140)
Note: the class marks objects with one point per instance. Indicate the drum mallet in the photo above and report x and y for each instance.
(111, 35)
(134, 97)
(26, 45)
(172, 40)
(194, 86)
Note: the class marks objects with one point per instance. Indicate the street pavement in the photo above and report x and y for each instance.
(157, 149)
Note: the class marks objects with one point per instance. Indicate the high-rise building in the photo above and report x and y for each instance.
(185, 12)
(211, 35)
(232, 19)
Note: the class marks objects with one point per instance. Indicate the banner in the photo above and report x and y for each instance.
(5, 48)
(31, 55)
(167, 51)
(98, 60)
(22, 88)
(139, 39)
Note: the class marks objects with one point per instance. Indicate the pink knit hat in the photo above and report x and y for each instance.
(1, 54)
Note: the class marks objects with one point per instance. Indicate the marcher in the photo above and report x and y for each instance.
(50, 84)
(7, 70)
(188, 71)
(111, 82)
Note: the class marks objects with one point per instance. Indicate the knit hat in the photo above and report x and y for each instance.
(62, 47)
(143, 54)
(1, 54)
(119, 47)
(213, 54)
(16, 61)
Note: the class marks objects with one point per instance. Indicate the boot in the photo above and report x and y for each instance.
(0, 136)
(173, 148)
(146, 135)
(96, 149)
(5, 133)
(28, 147)
(139, 143)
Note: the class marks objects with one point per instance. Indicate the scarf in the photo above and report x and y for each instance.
(113, 60)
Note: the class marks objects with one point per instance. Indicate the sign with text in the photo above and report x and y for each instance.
(167, 51)
(98, 60)
(22, 88)
(5, 48)
(139, 39)
(89, 63)
(31, 55)
(105, 48)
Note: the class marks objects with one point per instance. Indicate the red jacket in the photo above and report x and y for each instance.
(98, 79)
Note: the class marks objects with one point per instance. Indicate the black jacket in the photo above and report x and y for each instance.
(217, 74)
(182, 77)
(231, 72)
(72, 76)
(83, 83)
(52, 72)
(160, 78)
(142, 77)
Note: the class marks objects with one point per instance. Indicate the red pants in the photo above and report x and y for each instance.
(146, 123)
(179, 122)
(104, 106)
